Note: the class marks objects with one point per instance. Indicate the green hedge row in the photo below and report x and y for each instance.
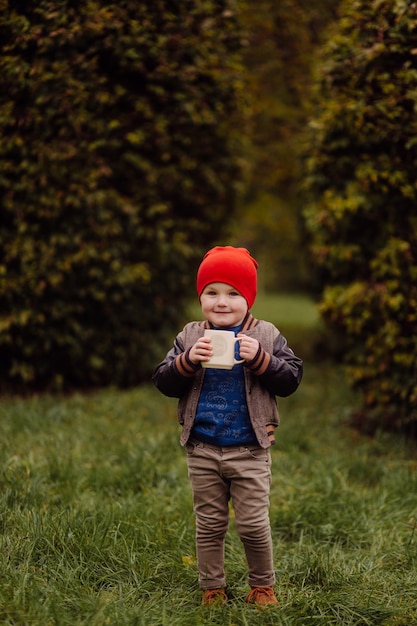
(363, 220)
(119, 126)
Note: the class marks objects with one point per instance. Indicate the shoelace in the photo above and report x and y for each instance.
(260, 591)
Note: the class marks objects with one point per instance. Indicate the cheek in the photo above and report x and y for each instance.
(243, 306)
(205, 306)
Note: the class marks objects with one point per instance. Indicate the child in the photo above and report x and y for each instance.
(228, 419)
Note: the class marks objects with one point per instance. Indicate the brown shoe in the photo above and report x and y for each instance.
(261, 596)
(213, 597)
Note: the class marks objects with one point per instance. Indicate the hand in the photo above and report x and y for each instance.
(248, 347)
(202, 350)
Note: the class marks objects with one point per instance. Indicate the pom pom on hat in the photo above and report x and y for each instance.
(233, 266)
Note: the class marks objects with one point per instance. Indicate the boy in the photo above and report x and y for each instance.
(228, 419)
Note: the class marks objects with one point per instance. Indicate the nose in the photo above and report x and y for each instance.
(221, 300)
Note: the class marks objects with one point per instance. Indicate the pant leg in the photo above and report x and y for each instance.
(249, 472)
(211, 493)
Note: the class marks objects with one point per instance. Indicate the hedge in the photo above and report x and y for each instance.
(362, 218)
(119, 126)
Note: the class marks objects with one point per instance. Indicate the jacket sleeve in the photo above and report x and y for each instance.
(280, 371)
(174, 375)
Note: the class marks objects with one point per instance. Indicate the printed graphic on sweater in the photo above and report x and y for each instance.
(222, 416)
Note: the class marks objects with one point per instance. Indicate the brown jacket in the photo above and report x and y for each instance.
(275, 371)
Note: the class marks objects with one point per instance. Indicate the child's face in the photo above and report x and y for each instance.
(223, 305)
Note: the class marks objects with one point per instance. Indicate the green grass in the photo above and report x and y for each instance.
(295, 310)
(97, 524)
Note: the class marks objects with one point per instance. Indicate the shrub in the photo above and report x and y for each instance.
(120, 165)
(363, 217)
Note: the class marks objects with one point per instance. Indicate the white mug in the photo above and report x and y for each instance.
(223, 343)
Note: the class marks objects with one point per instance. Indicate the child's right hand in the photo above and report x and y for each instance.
(202, 350)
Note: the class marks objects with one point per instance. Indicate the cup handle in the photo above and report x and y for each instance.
(240, 360)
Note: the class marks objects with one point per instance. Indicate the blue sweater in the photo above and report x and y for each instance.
(222, 416)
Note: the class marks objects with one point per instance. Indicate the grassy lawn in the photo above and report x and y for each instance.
(296, 310)
(97, 524)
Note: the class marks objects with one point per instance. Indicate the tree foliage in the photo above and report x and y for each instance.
(363, 218)
(120, 165)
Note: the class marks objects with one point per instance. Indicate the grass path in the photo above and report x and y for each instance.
(97, 526)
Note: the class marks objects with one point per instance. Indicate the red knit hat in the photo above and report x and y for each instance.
(233, 266)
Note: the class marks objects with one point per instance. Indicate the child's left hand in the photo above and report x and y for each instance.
(248, 347)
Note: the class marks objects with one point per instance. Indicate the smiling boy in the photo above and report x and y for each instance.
(228, 419)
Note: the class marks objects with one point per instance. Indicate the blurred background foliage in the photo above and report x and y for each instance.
(134, 136)
(362, 217)
(120, 130)
(283, 40)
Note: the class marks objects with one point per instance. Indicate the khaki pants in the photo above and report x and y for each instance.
(242, 474)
